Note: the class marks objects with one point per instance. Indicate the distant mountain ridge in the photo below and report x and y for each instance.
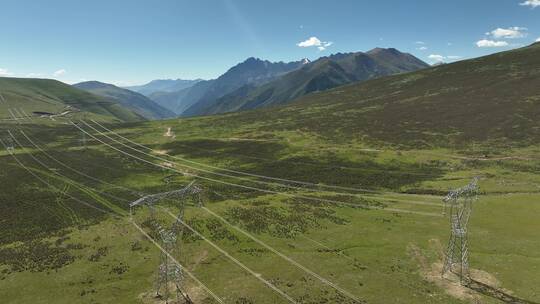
(251, 71)
(134, 101)
(163, 85)
(322, 74)
(493, 99)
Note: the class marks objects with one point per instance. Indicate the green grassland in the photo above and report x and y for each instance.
(374, 161)
(55, 249)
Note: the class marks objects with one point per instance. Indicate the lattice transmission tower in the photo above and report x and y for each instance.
(169, 272)
(460, 202)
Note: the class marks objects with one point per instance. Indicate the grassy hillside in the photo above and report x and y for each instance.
(493, 98)
(56, 249)
(51, 96)
(138, 103)
(320, 75)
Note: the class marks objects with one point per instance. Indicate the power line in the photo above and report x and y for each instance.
(288, 259)
(114, 214)
(235, 177)
(75, 170)
(60, 175)
(241, 172)
(220, 174)
(237, 262)
(210, 292)
(151, 199)
(50, 185)
(154, 198)
(258, 189)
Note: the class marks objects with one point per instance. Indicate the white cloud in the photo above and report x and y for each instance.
(5, 73)
(508, 33)
(422, 48)
(484, 43)
(438, 58)
(538, 40)
(60, 72)
(314, 41)
(531, 3)
(441, 58)
(420, 42)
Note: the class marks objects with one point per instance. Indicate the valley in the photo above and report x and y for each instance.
(357, 177)
(283, 201)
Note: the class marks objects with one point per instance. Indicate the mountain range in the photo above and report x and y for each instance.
(488, 98)
(134, 101)
(163, 85)
(320, 75)
(252, 71)
(254, 83)
(494, 99)
(258, 83)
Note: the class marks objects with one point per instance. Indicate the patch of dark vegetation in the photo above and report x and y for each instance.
(425, 191)
(244, 300)
(218, 231)
(75, 246)
(207, 148)
(216, 192)
(100, 253)
(189, 236)
(35, 256)
(325, 296)
(30, 210)
(24, 211)
(136, 246)
(367, 174)
(283, 222)
(85, 292)
(351, 202)
(327, 168)
(257, 252)
(119, 269)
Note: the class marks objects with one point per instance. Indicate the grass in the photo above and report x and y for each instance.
(367, 252)
(386, 145)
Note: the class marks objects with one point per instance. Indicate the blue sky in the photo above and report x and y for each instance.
(132, 42)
